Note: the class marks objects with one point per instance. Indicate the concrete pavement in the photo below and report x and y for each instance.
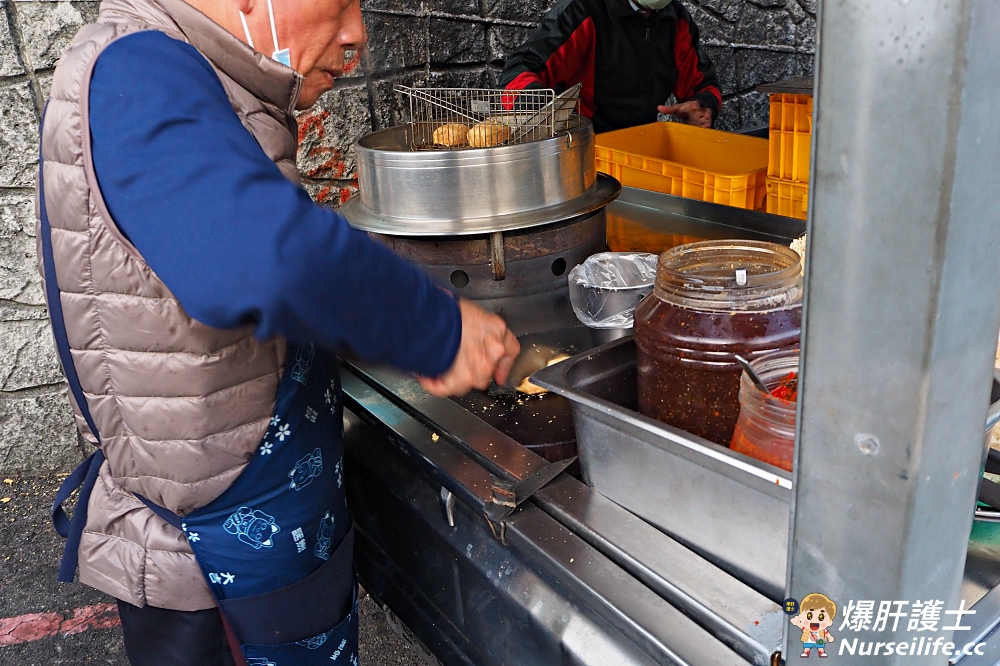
(46, 623)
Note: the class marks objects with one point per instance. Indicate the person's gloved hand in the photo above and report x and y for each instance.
(487, 351)
(692, 112)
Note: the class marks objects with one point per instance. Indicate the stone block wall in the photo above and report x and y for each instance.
(465, 42)
(439, 43)
(37, 432)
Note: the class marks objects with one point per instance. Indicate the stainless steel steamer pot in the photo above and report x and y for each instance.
(474, 190)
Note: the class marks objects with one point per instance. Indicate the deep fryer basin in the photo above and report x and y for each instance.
(728, 507)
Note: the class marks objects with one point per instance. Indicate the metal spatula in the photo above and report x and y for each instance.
(533, 357)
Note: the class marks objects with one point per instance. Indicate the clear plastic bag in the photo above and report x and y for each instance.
(605, 288)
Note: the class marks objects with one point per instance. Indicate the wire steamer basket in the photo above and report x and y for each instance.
(501, 160)
(455, 118)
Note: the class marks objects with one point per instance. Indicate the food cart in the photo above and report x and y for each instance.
(478, 533)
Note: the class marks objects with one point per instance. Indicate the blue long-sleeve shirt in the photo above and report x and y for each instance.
(230, 236)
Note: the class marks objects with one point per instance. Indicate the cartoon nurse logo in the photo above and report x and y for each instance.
(252, 527)
(815, 616)
(306, 469)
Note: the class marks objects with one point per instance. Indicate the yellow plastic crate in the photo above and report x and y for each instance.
(790, 137)
(787, 198)
(687, 161)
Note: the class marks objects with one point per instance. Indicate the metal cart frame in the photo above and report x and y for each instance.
(902, 302)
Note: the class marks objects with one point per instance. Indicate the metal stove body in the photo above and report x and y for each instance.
(519, 274)
(501, 226)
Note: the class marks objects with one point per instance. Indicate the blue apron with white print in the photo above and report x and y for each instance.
(277, 546)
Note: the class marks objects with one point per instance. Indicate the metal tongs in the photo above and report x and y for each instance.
(752, 374)
(549, 114)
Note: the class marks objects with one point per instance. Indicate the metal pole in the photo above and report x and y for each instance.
(902, 308)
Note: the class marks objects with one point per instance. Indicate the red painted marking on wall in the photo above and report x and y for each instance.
(312, 122)
(323, 194)
(352, 63)
(345, 194)
(327, 161)
(332, 167)
(327, 193)
(36, 626)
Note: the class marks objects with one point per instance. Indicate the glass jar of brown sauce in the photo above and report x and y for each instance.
(713, 300)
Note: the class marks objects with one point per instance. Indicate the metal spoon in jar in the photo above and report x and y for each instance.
(754, 377)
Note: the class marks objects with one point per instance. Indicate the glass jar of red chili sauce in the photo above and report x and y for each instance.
(713, 300)
(765, 429)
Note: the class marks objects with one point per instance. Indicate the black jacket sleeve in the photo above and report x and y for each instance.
(553, 53)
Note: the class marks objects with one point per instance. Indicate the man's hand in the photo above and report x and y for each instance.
(692, 112)
(487, 350)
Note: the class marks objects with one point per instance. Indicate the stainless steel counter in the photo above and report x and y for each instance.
(486, 568)
(573, 579)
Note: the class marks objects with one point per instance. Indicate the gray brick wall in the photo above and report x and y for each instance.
(433, 42)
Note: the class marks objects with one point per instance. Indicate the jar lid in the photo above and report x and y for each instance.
(730, 275)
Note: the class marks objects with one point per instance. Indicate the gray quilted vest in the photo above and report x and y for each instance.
(180, 406)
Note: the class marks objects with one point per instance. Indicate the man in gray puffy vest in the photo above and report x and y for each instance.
(196, 294)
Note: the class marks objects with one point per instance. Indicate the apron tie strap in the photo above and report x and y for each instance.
(167, 515)
(83, 477)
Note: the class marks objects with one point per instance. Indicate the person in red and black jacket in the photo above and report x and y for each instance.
(630, 55)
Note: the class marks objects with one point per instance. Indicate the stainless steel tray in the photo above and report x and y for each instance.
(731, 509)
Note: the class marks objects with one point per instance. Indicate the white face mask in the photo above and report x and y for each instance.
(283, 56)
(653, 4)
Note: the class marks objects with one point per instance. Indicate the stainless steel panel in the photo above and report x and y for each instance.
(490, 448)
(982, 564)
(425, 448)
(990, 652)
(902, 302)
(731, 509)
(481, 190)
(665, 213)
(749, 623)
(645, 619)
(983, 623)
(731, 612)
(546, 598)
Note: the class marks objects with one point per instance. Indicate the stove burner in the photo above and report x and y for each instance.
(504, 264)
(543, 423)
